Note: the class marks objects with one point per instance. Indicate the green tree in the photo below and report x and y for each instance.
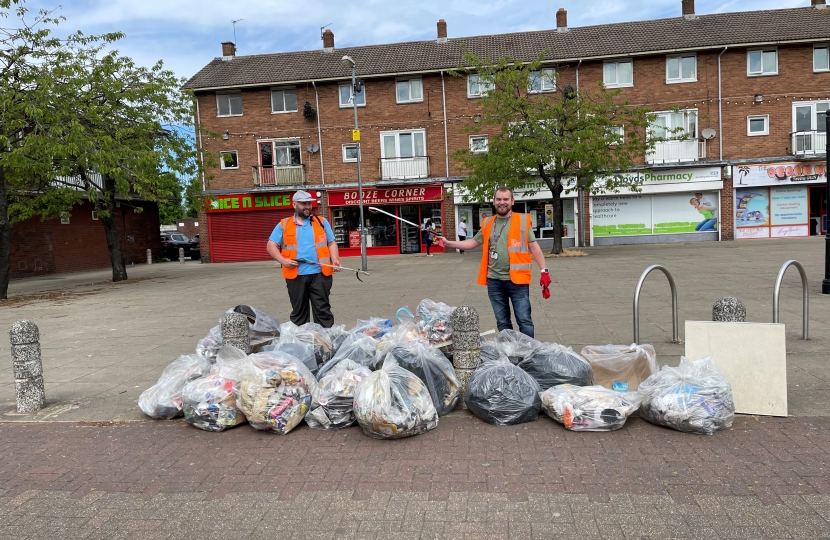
(557, 136)
(170, 199)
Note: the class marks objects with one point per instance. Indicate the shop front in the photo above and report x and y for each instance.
(239, 225)
(676, 205)
(385, 235)
(780, 200)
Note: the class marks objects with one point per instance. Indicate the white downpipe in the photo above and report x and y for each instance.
(446, 142)
(580, 195)
(720, 110)
(319, 134)
(201, 150)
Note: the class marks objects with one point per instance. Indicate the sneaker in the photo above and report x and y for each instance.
(429, 254)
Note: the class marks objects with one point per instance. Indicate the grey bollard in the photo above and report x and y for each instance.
(149, 256)
(235, 331)
(729, 309)
(28, 369)
(181, 255)
(466, 344)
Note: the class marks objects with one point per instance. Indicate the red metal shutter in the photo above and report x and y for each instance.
(242, 236)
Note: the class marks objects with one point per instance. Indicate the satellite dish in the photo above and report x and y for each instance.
(312, 148)
(709, 133)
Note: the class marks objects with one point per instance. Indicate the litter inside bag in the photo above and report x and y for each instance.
(434, 370)
(337, 335)
(310, 334)
(209, 345)
(375, 327)
(400, 334)
(490, 351)
(209, 402)
(589, 408)
(332, 406)
(435, 320)
(392, 403)
(301, 351)
(164, 399)
(553, 364)
(515, 345)
(621, 367)
(503, 394)
(275, 391)
(359, 348)
(262, 329)
(693, 397)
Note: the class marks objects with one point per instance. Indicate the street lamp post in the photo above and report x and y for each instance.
(825, 284)
(348, 61)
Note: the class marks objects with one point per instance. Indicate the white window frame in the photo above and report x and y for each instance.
(617, 63)
(484, 149)
(545, 74)
(283, 89)
(409, 80)
(274, 145)
(680, 58)
(348, 104)
(814, 121)
(397, 134)
(65, 218)
(474, 81)
(348, 159)
(619, 131)
(764, 117)
(685, 112)
(230, 110)
(94, 215)
(826, 48)
(762, 73)
(222, 164)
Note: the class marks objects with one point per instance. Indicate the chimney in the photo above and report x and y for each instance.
(328, 41)
(561, 20)
(228, 49)
(688, 9)
(442, 31)
(819, 4)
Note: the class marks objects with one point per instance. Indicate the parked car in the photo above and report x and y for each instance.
(171, 242)
(195, 252)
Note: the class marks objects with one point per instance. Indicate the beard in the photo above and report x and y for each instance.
(502, 211)
(303, 212)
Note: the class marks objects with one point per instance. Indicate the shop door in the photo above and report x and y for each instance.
(410, 236)
(242, 236)
(818, 210)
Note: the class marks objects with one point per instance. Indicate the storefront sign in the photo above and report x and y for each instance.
(634, 215)
(248, 201)
(668, 176)
(777, 212)
(622, 215)
(354, 239)
(381, 196)
(789, 206)
(779, 174)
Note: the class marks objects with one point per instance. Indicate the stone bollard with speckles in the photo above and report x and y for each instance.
(729, 309)
(235, 331)
(466, 342)
(28, 368)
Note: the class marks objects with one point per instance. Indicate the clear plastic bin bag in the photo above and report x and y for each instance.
(503, 394)
(209, 403)
(209, 345)
(490, 351)
(301, 351)
(310, 334)
(693, 397)
(164, 399)
(435, 320)
(275, 391)
(262, 329)
(393, 403)
(375, 327)
(621, 367)
(553, 364)
(589, 408)
(358, 348)
(332, 406)
(434, 370)
(515, 345)
(337, 335)
(400, 334)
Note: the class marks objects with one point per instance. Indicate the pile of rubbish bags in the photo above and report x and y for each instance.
(332, 406)
(433, 369)
(164, 399)
(552, 364)
(209, 402)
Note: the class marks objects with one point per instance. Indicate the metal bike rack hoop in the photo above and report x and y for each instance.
(675, 335)
(806, 292)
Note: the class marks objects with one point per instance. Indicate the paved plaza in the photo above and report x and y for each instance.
(91, 465)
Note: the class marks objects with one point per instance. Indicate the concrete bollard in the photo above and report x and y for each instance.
(466, 344)
(28, 368)
(181, 255)
(729, 309)
(149, 256)
(235, 331)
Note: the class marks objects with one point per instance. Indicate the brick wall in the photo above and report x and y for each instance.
(188, 226)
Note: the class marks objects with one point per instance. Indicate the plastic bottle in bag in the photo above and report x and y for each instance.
(503, 394)
(553, 364)
(332, 406)
(375, 327)
(589, 408)
(434, 370)
(624, 365)
(164, 399)
(435, 320)
(209, 403)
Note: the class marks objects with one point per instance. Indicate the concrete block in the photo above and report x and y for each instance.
(751, 356)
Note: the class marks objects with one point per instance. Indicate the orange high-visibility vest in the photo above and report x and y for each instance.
(521, 262)
(289, 246)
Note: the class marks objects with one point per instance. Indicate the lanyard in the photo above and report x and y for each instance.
(495, 239)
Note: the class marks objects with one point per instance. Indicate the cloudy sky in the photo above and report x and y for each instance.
(186, 34)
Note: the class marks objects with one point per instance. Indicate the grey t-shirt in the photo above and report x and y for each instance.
(500, 268)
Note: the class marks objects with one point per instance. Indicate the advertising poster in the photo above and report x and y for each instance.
(622, 215)
(569, 223)
(548, 216)
(789, 212)
(779, 174)
(685, 213)
(751, 207)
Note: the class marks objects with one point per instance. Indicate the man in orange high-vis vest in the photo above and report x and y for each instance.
(307, 237)
(509, 249)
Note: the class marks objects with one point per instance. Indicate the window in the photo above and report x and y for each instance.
(409, 91)
(821, 58)
(346, 93)
(542, 81)
(478, 144)
(284, 100)
(757, 125)
(229, 160)
(279, 154)
(94, 215)
(762, 62)
(618, 74)
(350, 152)
(616, 133)
(477, 88)
(810, 116)
(681, 68)
(229, 104)
(64, 218)
(675, 125)
(403, 144)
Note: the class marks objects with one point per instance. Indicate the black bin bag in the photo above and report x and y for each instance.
(553, 364)
(503, 394)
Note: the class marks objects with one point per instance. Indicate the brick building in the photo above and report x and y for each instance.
(748, 88)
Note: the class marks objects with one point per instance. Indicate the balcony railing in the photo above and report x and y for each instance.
(808, 143)
(268, 175)
(677, 152)
(400, 168)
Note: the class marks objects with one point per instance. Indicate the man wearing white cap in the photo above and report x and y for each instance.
(310, 238)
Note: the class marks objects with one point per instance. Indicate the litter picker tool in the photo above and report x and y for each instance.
(356, 272)
(433, 233)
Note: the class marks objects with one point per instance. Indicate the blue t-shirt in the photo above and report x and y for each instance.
(305, 243)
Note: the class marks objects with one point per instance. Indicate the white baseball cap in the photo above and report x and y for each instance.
(302, 196)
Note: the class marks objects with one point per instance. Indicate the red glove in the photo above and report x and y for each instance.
(545, 283)
(440, 241)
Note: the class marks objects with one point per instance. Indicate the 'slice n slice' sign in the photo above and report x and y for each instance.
(248, 201)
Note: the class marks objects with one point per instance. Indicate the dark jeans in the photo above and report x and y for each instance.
(313, 288)
(502, 293)
(461, 238)
(429, 244)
